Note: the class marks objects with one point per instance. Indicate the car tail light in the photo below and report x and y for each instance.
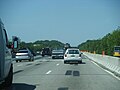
(26, 54)
(65, 55)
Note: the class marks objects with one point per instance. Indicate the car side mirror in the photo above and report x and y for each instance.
(15, 44)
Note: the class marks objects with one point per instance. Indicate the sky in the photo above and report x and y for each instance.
(68, 21)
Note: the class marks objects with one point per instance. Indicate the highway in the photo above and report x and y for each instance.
(52, 74)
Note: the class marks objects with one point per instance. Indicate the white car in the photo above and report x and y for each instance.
(6, 66)
(24, 54)
(72, 56)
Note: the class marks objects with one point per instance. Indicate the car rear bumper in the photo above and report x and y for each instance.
(22, 58)
(57, 56)
(72, 61)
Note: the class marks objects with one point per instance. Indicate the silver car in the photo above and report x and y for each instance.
(72, 56)
(58, 54)
(24, 54)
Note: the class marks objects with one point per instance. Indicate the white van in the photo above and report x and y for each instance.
(6, 67)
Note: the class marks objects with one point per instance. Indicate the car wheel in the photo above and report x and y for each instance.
(80, 62)
(16, 60)
(64, 62)
(32, 59)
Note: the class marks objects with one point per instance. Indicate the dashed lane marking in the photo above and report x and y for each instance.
(20, 65)
(57, 64)
(49, 72)
(106, 71)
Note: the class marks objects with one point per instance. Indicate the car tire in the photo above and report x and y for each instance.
(32, 59)
(16, 60)
(53, 57)
(9, 78)
(80, 62)
(64, 62)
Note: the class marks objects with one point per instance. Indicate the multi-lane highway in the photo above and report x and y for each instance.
(52, 74)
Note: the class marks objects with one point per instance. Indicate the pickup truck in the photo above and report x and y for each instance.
(6, 66)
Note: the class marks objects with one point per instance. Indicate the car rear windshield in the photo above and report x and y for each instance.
(73, 52)
(23, 51)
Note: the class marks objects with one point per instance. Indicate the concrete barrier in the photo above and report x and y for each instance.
(108, 62)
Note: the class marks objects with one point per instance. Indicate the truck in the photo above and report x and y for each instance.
(46, 51)
(6, 66)
(66, 46)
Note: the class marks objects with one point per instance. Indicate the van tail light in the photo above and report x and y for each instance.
(65, 55)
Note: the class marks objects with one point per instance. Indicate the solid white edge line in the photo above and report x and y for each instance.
(106, 70)
(49, 72)
(20, 65)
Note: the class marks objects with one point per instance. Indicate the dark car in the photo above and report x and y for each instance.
(58, 54)
(46, 51)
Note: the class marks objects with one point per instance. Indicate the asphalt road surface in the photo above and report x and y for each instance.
(53, 74)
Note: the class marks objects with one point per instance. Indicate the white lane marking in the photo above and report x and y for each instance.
(49, 72)
(106, 70)
(20, 65)
(57, 64)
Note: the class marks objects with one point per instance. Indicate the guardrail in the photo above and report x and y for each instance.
(108, 62)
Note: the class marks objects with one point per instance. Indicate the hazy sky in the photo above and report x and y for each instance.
(69, 21)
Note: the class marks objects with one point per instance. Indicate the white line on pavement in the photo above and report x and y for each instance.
(20, 65)
(57, 64)
(106, 70)
(49, 72)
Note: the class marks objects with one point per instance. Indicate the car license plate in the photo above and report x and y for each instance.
(72, 55)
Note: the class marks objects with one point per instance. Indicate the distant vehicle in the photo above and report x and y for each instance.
(38, 53)
(58, 54)
(116, 51)
(46, 51)
(6, 66)
(72, 56)
(24, 54)
(66, 46)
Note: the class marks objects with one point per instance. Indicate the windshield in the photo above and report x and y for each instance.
(73, 52)
(58, 51)
(22, 51)
(117, 48)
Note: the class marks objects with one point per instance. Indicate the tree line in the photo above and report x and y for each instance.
(38, 45)
(106, 43)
